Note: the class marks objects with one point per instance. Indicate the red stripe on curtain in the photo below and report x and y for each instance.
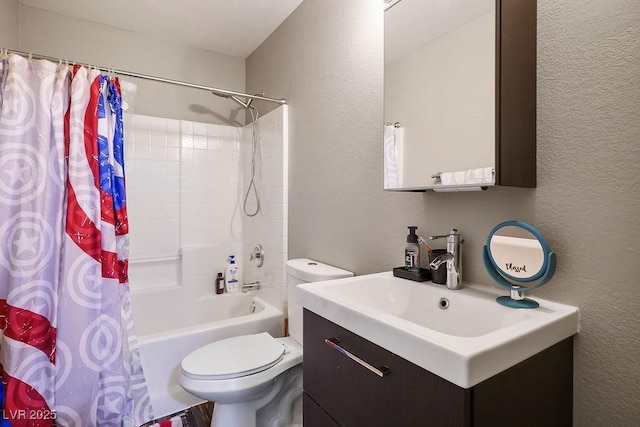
(32, 329)
(24, 406)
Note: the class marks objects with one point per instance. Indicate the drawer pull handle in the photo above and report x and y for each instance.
(381, 371)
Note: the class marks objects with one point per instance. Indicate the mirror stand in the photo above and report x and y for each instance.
(516, 299)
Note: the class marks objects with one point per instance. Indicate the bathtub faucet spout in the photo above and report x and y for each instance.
(251, 286)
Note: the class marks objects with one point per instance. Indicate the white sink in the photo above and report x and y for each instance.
(470, 340)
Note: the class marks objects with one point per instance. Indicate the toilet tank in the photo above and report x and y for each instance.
(301, 271)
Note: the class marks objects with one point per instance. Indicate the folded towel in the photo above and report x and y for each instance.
(447, 178)
(488, 175)
(470, 176)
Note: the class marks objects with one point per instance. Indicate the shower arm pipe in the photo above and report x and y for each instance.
(223, 92)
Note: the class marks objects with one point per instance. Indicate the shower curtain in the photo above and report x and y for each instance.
(69, 351)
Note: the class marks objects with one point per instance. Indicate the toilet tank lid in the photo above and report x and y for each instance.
(309, 270)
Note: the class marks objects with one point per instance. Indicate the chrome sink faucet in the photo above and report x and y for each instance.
(453, 258)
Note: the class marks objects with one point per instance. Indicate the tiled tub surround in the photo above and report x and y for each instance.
(186, 182)
(182, 192)
(269, 227)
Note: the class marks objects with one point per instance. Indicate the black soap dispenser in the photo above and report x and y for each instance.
(412, 251)
(411, 269)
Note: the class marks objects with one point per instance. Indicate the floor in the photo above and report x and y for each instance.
(196, 416)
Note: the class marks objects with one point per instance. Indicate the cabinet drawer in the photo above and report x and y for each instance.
(355, 396)
(314, 415)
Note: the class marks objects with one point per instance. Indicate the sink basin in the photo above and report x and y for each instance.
(463, 336)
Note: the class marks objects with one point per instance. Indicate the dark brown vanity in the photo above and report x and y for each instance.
(341, 392)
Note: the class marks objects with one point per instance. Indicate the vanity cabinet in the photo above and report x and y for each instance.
(340, 392)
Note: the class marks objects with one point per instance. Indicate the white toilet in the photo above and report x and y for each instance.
(256, 380)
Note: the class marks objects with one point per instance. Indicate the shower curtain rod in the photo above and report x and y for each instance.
(147, 77)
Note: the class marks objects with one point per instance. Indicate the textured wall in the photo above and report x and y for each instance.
(9, 23)
(57, 35)
(326, 59)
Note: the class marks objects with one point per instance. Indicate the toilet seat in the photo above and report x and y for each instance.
(233, 357)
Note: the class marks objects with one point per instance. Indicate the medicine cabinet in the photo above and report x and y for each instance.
(460, 93)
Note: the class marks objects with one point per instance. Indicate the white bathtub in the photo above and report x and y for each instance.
(166, 336)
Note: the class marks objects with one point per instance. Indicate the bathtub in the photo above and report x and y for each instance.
(166, 336)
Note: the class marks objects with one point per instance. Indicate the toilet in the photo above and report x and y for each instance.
(256, 380)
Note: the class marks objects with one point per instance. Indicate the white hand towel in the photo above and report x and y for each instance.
(459, 177)
(470, 176)
(390, 168)
(446, 178)
(488, 175)
(393, 156)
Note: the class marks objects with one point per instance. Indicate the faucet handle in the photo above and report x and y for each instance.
(453, 236)
(439, 236)
(454, 232)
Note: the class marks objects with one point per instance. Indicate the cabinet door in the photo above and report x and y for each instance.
(355, 396)
(314, 416)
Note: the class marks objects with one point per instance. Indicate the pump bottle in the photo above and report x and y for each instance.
(412, 251)
(232, 276)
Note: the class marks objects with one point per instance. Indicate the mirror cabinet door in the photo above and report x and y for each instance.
(459, 93)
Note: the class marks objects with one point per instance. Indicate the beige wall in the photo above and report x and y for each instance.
(57, 35)
(9, 24)
(326, 59)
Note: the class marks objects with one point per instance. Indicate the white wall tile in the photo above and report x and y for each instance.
(142, 122)
(173, 126)
(200, 129)
(186, 182)
(158, 139)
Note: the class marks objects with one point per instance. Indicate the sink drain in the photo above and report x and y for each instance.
(443, 303)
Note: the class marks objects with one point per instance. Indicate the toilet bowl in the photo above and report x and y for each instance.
(256, 380)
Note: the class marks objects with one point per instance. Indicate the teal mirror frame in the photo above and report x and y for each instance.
(500, 276)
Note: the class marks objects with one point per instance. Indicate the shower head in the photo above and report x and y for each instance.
(244, 104)
(221, 95)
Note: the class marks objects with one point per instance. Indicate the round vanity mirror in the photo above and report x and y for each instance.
(518, 258)
(517, 253)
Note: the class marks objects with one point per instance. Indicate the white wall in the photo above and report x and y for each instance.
(51, 34)
(9, 24)
(327, 60)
